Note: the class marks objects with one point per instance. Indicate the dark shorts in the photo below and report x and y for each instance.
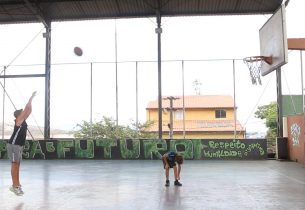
(171, 164)
(14, 152)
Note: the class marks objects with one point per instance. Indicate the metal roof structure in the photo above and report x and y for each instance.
(26, 11)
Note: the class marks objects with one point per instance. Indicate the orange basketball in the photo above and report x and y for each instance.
(78, 51)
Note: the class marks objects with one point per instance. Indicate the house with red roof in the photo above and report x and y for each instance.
(196, 117)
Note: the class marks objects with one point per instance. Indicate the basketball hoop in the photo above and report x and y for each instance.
(254, 64)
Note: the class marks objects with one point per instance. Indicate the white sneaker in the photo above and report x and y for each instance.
(20, 189)
(17, 190)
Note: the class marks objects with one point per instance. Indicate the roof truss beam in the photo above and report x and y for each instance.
(37, 12)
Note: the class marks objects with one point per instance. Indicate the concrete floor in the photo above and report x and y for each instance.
(139, 184)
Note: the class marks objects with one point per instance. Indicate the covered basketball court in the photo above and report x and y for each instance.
(138, 184)
(46, 12)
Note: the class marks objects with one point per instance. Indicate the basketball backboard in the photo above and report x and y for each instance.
(273, 41)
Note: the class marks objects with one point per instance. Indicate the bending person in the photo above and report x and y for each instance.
(169, 161)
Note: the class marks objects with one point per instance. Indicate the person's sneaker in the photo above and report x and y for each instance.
(20, 188)
(177, 183)
(16, 190)
(167, 183)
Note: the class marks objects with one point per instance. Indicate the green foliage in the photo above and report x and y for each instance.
(269, 114)
(107, 129)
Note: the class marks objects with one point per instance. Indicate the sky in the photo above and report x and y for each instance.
(207, 44)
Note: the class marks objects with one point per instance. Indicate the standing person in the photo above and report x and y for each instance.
(16, 143)
(169, 161)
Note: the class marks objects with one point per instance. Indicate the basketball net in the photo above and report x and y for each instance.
(254, 64)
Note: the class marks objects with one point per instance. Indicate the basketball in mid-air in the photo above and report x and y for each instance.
(78, 51)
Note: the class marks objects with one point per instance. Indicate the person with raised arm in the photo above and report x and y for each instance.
(16, 143)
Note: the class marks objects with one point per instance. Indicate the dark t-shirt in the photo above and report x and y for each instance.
(19, 135)
(171, 158)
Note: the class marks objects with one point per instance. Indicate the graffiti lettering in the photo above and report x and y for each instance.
(2, 149)
(63, 147)
(252, 147)
(134, 153)
(198, 149)
(141, 149)
(35, 149)
(227, 145)
(106, 144)
(234, 149)
(222, 154)
(84, 153)
(186, 148)
(152, 148)
(50, 147)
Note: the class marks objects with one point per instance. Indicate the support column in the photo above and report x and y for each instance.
(234, 95)
(137, 99)
(47, 36)
(158, 30)
(183, 104)
(279, 103)
(91, 99)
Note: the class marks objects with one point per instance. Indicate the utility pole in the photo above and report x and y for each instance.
(171, 109)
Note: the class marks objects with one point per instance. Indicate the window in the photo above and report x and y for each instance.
(220, 113)
(179, 115)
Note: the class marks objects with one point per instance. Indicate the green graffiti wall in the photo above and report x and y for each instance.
(217, 149)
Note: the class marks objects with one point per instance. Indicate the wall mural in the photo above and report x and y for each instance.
(251, 149)
(295, 130)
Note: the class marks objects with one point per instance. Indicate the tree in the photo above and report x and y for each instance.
(107, 129)
(269, 114)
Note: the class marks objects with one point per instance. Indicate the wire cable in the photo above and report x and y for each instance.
(24, 100)
(14, 106)
(27, 45)
(293, 105)
(260, 97)
(12, 61)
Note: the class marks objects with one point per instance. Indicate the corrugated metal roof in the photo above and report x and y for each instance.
(17, 11)
(196, 101)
